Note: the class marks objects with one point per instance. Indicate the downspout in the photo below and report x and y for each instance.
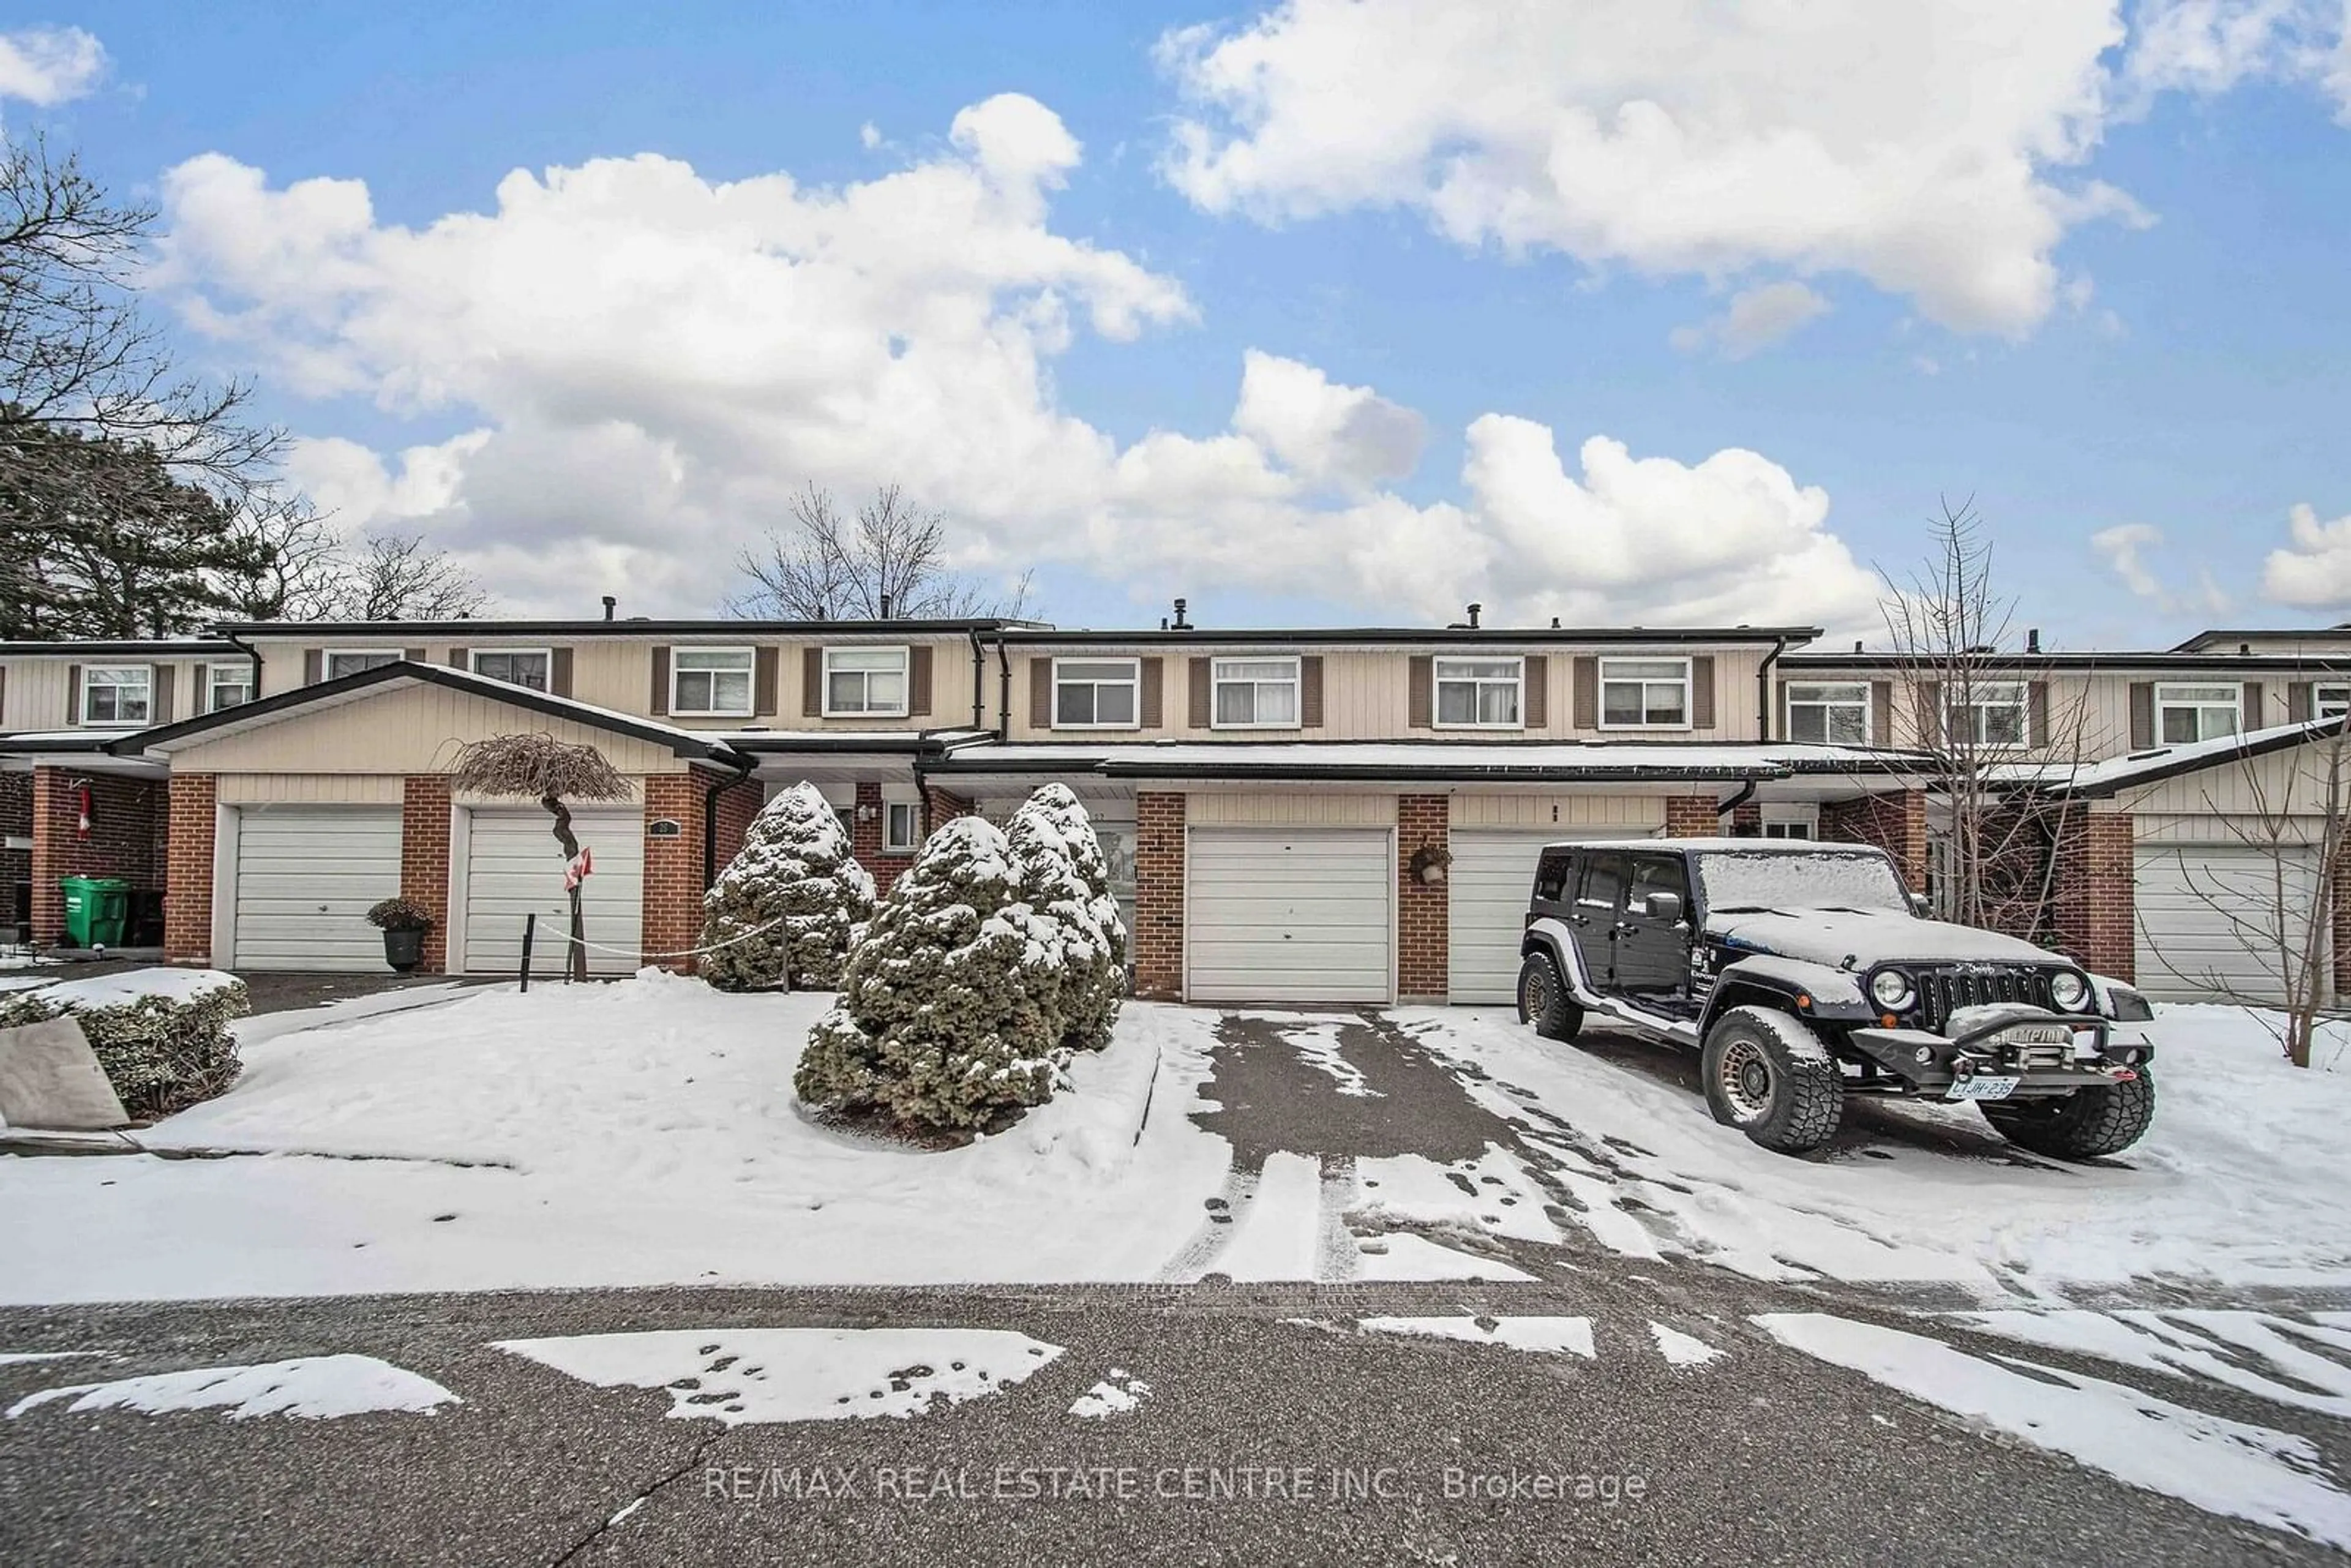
(1004, 689)
(979, 680)
(250, 652)
(710, 818)
(1764, 688)
(1739, 798)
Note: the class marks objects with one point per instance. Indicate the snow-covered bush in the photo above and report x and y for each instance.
(784, 912)
(161, 1035)
(944, 1020)
(1059, 866)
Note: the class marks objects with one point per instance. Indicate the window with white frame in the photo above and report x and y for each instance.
(1833, 712)
(2330, 702)
(1256, 693)
(1096, 694)
(1991, 713)
(864, 683)
(1791, 819)
(711, 682)
(1645, 694)
(901, 827)
(2186, 714)
(341, 662)
(118, 694)
(1478, 693)
(525, 667)
(227, 685)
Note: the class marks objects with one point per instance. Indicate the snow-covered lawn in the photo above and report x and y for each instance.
(2237, 1184)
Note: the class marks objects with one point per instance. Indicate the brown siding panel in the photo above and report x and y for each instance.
(413, 656)
(660, 700)
(313, 665)
(1585, 678)
(1420, 700)
(73, 694)
(458, 660)
(2036, 714)
(1702, 691)
(1310, 690)
(1151, 698)
(918, 682)
(1881, 713)
(766, 678)
(2142, 715)
(160, 705)
(558, 672)
(1932, 728)
(1537, 695)
(2252, 704)
(1202, 693)
(2298, 707)
(812, 683)
(1040, 693)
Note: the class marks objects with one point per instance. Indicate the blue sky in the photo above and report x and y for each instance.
(2188, 383)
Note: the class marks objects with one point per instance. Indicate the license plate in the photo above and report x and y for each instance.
(2037, 1034)
(1983, 1086)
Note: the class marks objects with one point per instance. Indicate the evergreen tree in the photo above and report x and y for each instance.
(782, 914)
(1057, 862)
(944, 1020)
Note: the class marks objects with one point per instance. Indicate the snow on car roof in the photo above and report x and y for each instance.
(1723, 846)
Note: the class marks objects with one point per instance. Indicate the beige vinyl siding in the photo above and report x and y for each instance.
(1277, 809)
(313, 789)
(415, 729)
(39, 690)
(1537, 811)
(2089, 711)
(2287, 783)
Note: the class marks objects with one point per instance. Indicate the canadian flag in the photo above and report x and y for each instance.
(81, 825)
(580, 867)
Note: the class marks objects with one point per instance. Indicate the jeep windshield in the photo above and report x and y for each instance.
(1780, 880)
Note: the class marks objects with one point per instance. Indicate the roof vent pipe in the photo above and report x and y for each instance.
(1474, 611)
(1180, 623)
(611, 604)
(1554, 622)
(885, 607)
(2032, 640)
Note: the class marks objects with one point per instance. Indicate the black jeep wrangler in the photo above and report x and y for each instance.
(1805, 972)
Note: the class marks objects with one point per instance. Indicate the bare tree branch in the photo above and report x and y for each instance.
(892, 554)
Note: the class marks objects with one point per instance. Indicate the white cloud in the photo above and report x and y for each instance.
(648, 365)
(2316, 568)
(48, 66)
(2211, 46)
(2127, 548)
(1756, 319)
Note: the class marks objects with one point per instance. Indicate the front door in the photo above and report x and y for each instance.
(1651, 946)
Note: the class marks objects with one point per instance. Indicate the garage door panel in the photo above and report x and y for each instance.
(514, 869)
(1492, 873)
(2207, 918)
(306, 877)
(1289, 915)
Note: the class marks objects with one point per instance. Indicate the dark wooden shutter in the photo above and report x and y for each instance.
(660, 703)
(2142, 715)
(1151, 698)
(1535, 698)
(2036, 714)
(2298, 707)
(413, 656)
(1203, 694)
(558, 672)
(812, 683)
(199, 696)
(918, 682)
(1420, 693)
(314, 664)
(765, 679)
(1310, 692)
(2252, 704)
(1040, 693)
(1933, 723)
(159, 703)
(1702, 691)
(457, 659)
(1585, 677)
(73, 694)
(1881, 713)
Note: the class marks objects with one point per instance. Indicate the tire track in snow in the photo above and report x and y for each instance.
(1217, 1231)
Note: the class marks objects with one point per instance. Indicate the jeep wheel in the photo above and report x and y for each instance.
(1769, 1075)
(2104, 1119)
(1544, 1001)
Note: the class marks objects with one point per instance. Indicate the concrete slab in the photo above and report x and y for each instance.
(50, 1078)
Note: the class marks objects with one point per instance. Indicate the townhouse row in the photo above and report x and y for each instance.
(1341, 815)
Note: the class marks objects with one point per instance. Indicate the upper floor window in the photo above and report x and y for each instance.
(118, 694)
(713, 683)
(1478, 693)
(1259, 694)
(341, 662)
(2186, 714)
(525, 667)
(1096, 694)
(1991, 713)
(1645, 694)
(227, 685)
(2330, 702)
(1835, 712)
(864, 683)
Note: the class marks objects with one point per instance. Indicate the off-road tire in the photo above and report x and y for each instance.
(1769, 1075)
(1544, 1001)
(2104, 1119)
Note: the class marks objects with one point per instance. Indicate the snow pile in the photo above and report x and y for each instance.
(312, 1387)
(1116, 1395)
(1540, 1335)
(785, 911)
(161, 1035)
(1057, 862)
(1682, 1350)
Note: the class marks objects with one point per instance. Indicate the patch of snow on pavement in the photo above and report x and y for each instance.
(2221, 1466)
(751, 1376)
(12, 1357)
(1276, 1232)
(1681, 1349)
(1400, 1256)
(1540, 1335)
(1114, 1396)
(313, 1387)
(2213, 1345)
(1492, 1194)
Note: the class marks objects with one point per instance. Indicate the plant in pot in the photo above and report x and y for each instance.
(404, 923)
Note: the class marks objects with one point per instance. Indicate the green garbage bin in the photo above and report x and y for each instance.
(97, 908)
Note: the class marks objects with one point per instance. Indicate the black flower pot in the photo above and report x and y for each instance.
(403, 950)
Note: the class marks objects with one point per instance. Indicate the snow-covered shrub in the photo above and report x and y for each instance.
(1058, 863)
(783, 912)
(161, 1035)
(944, 1020)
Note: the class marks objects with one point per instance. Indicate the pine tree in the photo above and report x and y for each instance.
(783, 914)
(944, 1020)
(1057, 862)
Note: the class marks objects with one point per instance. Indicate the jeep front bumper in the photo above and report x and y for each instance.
(2044, 1052)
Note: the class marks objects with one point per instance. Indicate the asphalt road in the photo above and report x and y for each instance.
(1398, 1445)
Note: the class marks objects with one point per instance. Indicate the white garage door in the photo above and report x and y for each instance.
(2191, 901)
(1492, 873)
(514, 868)
(1297, 914)
(305, 878)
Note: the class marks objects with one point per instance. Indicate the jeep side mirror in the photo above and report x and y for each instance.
(1918, 906)
(1666, 906)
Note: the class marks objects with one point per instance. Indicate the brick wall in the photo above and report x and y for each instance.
(188, 879)
(1693, 817)
(1158, 934)
(1423, 911)
(425, 860)
(941, 807)
(738, 803)
(1747, 821)
(128, 829)
(673, 919)
(865, 837)
(2097, 907)
(1895, 822)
